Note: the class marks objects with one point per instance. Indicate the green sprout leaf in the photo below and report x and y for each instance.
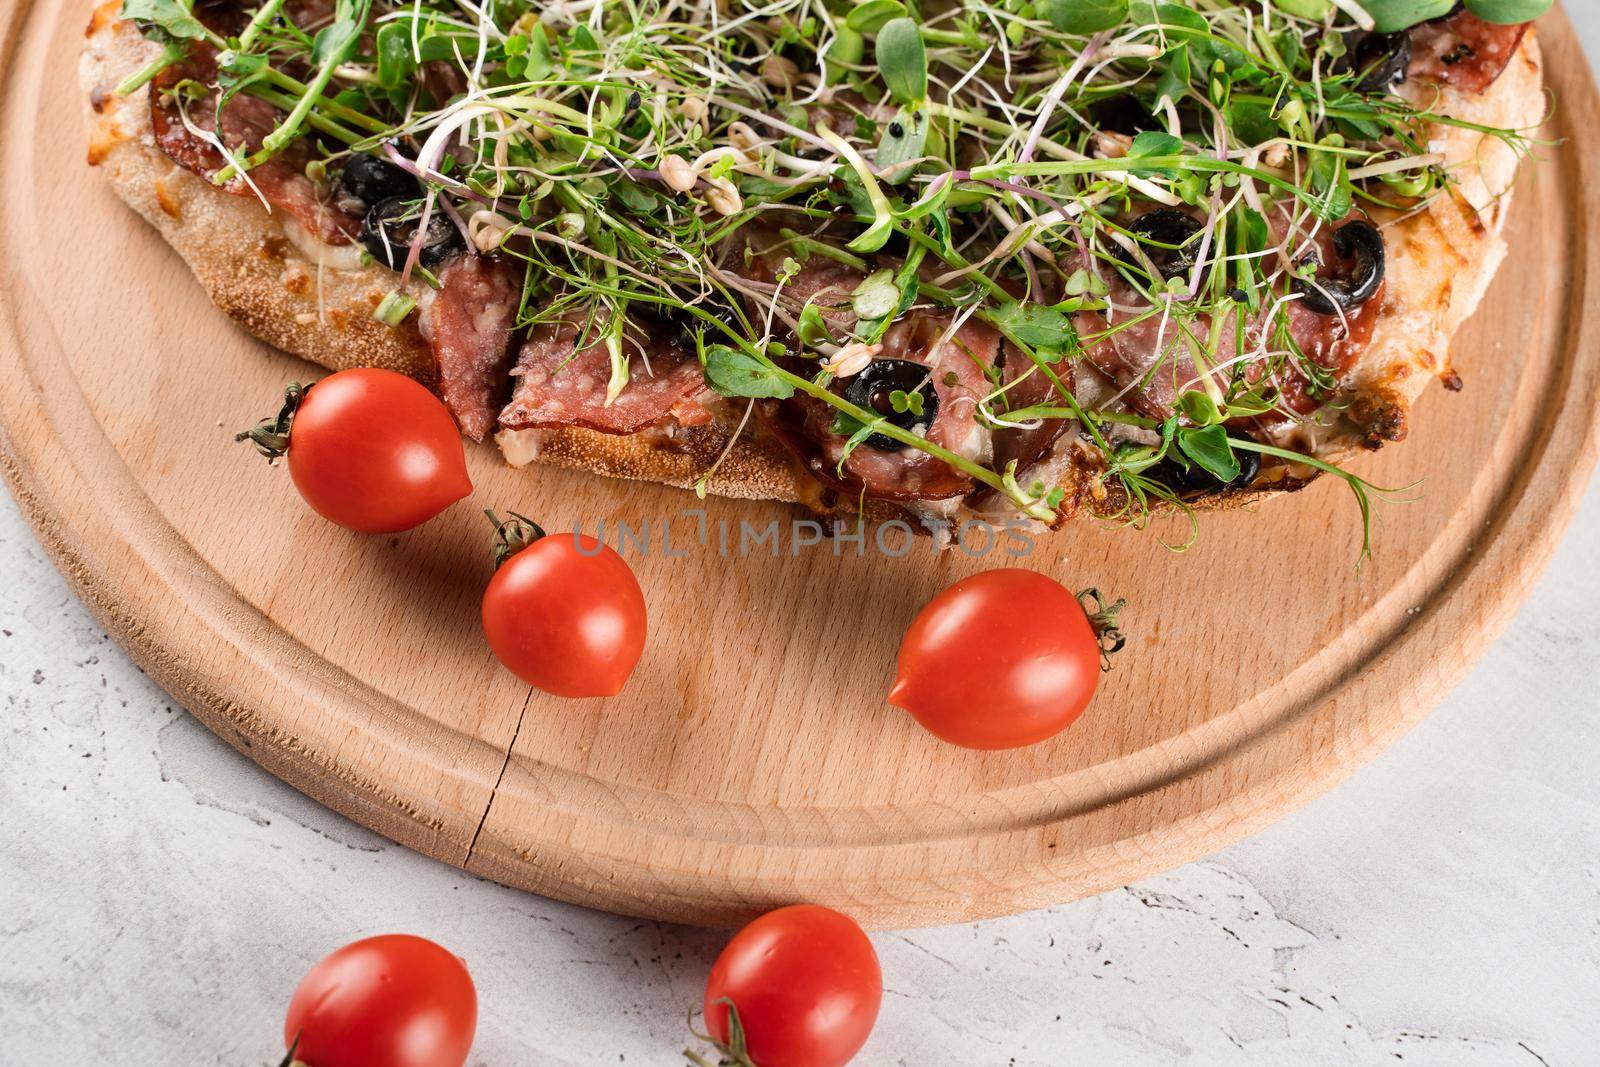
(1084, 17)
(169, 23)
(1151, 144)
(904, 138)
(877, 234)
(1508, 12)
(902, 61)
(1210, 448)
(1390, 16)
(175, 18)
(1316, 10)
(1045, 329)
(1199, 408)
(869, 16)
(1174, 82)
(906, 403)
(395, 61)
(734, 372)
(876, 296)
(848, 48)
(1330, 182)
(814, 327)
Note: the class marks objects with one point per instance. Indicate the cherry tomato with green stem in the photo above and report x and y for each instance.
(563, 612)
(1004, 658)
(798, 987)
(368, 449)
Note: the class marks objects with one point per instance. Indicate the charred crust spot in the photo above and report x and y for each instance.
(1451, 380)
(274, 248)
(1382, 419)
(1459, 54)
(1079, 496)
(1288, 484)
(101, 101)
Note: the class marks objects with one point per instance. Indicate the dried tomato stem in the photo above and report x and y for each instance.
(734, 1052)
(1107, 628)
(271, 436)
(512, 535)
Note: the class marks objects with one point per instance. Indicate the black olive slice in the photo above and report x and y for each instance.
(371, 179)
(1363, 242)
(1196, 479)
(872, 388)
(1382, 59)
(391, 225)
(1172, 229)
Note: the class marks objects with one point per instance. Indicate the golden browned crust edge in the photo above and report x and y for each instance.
(1443, 259)
(1441, 262)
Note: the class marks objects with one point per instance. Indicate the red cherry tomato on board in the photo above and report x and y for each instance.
(1002, 659)
(369, 449)
(806, 985)
(390, 1001)
(563, 612)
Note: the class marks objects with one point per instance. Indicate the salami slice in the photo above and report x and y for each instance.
(469, 324)
(824, 283)
(1149, 358)
(245, 121)
(1141, 351)
(558, 384)
(957, 368)
(1463, 50)
(1024, 445)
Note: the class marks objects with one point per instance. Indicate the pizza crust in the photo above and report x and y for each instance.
(254, 266)
(1442, 260)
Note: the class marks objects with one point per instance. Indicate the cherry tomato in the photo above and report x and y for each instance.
(565, 614)
(1002, 659)
(390, 1001)
(369, 449)
(806, 984)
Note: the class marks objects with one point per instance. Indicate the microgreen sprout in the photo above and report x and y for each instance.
(692, 160)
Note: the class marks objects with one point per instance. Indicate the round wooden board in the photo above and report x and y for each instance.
(752, 761)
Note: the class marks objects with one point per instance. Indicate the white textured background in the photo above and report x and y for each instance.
(160, 895)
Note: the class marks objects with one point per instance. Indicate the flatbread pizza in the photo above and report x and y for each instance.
(1014, 261)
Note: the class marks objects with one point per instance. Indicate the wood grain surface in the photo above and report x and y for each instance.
(752, 760)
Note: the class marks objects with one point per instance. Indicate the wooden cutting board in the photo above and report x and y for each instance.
(752, 760)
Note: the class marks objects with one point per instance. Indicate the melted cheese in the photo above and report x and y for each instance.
(519, 447)
(319, 252)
